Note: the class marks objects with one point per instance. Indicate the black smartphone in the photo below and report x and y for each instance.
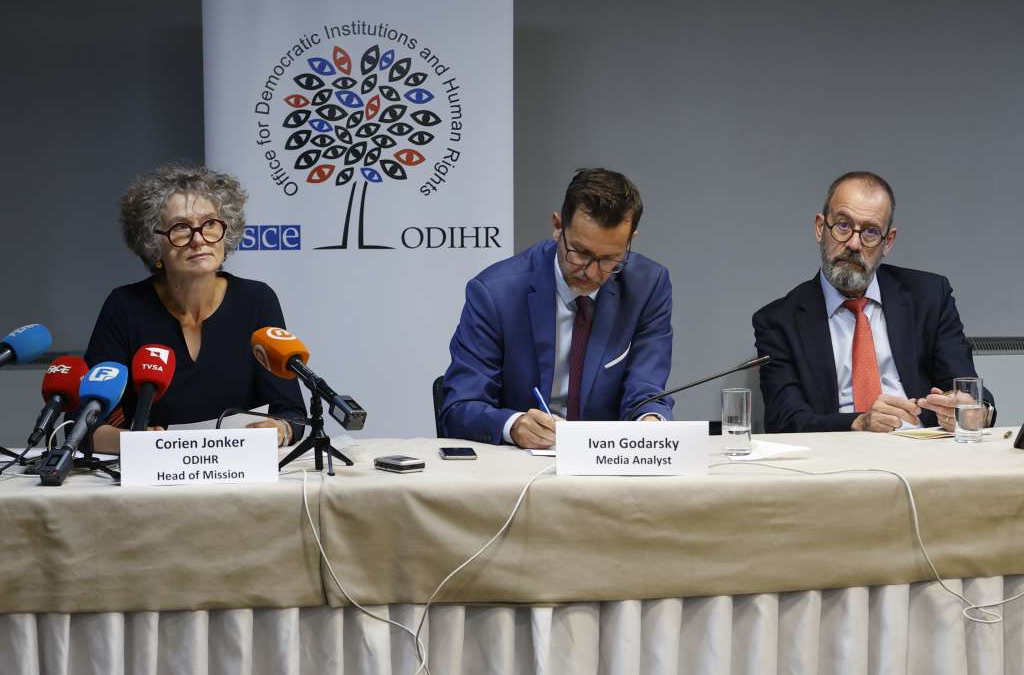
(398, 463)
(1019, 441)
(458, 453)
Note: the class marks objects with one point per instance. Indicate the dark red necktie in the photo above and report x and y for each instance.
(578, 352)
(867, 383)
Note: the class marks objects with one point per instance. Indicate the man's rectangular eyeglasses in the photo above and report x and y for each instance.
(842, 231)
(582, 260)
(180, 234)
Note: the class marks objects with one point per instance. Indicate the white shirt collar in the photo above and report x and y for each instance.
(834, 299)
(566, 294)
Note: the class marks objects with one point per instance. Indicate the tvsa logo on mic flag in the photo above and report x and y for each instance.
(102, 374)
(271, 238)
(158, 353)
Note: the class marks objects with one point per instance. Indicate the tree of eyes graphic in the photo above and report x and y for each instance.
(344, 125)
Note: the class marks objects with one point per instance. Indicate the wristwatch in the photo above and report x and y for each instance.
(990, 414)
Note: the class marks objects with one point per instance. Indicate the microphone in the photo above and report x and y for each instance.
(285, 356)
(101, 390)
(25, 344)
(752, 363)
(152, 372)
(60, 392)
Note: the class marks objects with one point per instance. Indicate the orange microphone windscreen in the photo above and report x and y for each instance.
(275, 347)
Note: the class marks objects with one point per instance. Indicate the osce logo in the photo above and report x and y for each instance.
(271, 238)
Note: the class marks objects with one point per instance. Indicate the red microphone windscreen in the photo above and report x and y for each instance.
(274, 347)
(153, 364)
(64, 377)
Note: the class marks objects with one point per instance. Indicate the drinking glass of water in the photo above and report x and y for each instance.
(970, 411)
(736, 421)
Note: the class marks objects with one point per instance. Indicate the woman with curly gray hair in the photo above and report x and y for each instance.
(182, 222)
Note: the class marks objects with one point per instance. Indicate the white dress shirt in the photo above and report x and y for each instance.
(841, 324)
(565, 315)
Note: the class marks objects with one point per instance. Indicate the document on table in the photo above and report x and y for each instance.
(237, 421)
(926, 433)
(770, 450)
(929, 433)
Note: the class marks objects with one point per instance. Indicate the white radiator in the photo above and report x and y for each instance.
(1000, 362)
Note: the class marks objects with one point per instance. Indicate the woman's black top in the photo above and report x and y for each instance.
(224, 375)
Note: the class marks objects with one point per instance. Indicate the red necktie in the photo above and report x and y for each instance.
(867, 384)
(577, 351)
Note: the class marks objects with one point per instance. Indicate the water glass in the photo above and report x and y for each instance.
(736, 421)
(970, 411)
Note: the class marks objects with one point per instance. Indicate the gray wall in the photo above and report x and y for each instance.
(94, 93)
(732, 117)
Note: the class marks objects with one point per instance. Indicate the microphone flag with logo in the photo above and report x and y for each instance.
(152, 371)
(285, 356)
(101, 390)
(274, 348)
(60, 393)
(25, 344)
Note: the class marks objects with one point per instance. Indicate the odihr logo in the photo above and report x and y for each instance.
(353, 107)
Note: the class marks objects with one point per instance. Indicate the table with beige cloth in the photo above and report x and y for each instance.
(750, 569)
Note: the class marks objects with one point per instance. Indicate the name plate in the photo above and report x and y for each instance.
(631, 448)
(198, 457)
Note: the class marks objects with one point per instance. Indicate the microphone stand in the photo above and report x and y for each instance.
(12, 453)
(18, 459)
(318, 440)
(87, 461)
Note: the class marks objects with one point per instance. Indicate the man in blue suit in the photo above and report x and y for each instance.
(862, 346)
(579, 317)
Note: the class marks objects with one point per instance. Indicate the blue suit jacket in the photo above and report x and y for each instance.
(799, 384)
(505, 345)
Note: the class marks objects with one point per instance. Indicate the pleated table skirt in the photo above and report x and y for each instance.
(887, 630)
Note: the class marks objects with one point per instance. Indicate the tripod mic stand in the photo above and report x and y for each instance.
(11, 453)
(90, 463)
(318, 440)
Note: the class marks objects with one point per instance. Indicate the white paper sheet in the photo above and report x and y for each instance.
(769, 450)
(239, 421)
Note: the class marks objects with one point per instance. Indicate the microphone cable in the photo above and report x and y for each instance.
(421, 653)
(984, 615)
(49, 447)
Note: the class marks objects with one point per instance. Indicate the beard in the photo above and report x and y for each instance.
(844, 276)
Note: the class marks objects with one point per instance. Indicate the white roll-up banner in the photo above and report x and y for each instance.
(375, 142)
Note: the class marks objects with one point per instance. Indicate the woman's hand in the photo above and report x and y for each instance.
(106, 439)
(284, 430)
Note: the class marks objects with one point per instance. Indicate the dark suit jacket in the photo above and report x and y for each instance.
(799, 384)
(505, 345)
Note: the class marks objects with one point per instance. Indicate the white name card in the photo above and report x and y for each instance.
(631, 448)
(198, 457)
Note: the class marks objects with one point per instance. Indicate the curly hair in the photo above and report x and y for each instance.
(143, 203)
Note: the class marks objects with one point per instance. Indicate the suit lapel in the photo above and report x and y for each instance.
(898, 307)
(541, 300)
(812, 328)
(606, 312)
